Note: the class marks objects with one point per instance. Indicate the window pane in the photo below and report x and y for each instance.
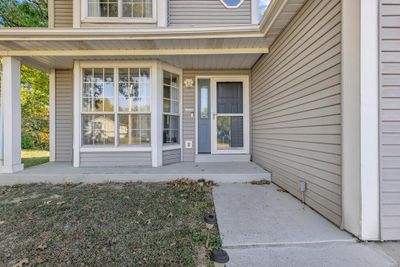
(167, 106)
(134, 95)
(174, 80)
(127, 10)
(123, 75)
(109, 75)
(229, 132)
(174, 107)
(134, 129)
(87, 75)
(98, 129)
(171, 129)
(98, 90)
(167, 78)
(230, 97)
(113, 12)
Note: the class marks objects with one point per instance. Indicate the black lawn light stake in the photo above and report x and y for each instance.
(210, 220)
(220, 257)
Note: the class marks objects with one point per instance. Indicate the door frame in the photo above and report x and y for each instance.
(245, 79)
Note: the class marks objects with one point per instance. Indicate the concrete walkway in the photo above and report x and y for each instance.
(260, 226)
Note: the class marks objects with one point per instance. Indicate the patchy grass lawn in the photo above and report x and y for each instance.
(105, 224)
(32, 158)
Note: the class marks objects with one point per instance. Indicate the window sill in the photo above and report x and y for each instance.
(116, 149)
(167, 147)
(119, 20)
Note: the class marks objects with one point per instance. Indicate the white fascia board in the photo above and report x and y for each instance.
(130, 34)
(137, 52)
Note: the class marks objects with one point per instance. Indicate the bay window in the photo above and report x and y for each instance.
(116, 106)
(171, 120)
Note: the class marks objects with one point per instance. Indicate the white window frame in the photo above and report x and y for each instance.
(152, 65)
(237, 6)
(174, 70)
(120, 19)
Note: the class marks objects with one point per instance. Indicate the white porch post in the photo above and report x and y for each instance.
(156, 115)
(11, 111)
(52, 114)
(360, 138)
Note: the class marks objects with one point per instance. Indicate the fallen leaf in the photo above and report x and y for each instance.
(281, 190)
(2, 222)
(60, 203)
(260, 182)
(42, 247)
(139, 213)
(47, 202)
(40, 260)
(148, 221)
(170, 215)
(21, 263)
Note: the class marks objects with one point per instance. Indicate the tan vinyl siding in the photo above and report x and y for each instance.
(207, 12)
(64, 115)
(63, 13)
(296, 107)
(189, 102)
(390, 118)
(171, 156)
(115, 159)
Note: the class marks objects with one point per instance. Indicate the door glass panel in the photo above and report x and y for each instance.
(230, 97)
(229, 132)
(204, 103)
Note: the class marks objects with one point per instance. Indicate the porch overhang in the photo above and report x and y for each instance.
(231, 47)
(232, 50)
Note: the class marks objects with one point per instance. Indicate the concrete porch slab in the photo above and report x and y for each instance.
(327, 255)
(254, 215)
(220, 172)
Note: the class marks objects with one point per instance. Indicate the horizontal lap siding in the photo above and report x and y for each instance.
(207, 12)
(115, 159)
(390, 119)
(296, 107)
(171, 156)
(64, 115)
(63, 13)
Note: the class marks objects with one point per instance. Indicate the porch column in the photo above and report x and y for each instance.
(156, 116)
(360, 116)
(11, 113)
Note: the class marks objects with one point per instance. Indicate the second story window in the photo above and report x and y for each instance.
(120, 8)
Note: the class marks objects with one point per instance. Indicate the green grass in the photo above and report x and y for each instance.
(32, 158)
(129, 224)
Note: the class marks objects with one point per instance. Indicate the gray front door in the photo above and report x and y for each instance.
(204, 116)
